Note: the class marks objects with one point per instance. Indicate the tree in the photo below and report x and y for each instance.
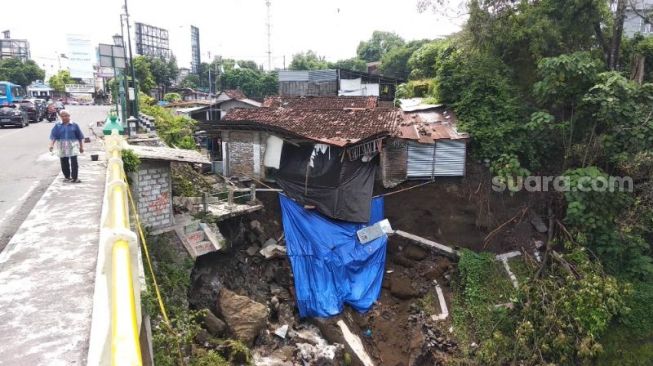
(354, 64)
(58, 82)
(142, 68)
(164, 72)
(378, 45)
(308, 60)
(172, 97)
(254, 83)
(191, 81)
(21, 73)
(424, 62)
(395, 62)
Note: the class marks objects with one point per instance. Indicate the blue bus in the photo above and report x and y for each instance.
(10, 92)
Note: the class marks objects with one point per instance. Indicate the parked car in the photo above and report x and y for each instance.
(30, 108)
(41, 107)
(13, 115)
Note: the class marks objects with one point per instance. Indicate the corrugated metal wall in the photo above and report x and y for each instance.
(307, 88)
(308, 75)
(444, 159)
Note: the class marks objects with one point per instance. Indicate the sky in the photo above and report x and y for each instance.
(231, 28)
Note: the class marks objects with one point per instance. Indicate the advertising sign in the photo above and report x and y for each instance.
(80, 56)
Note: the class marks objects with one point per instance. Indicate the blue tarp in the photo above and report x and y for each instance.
(330, 266)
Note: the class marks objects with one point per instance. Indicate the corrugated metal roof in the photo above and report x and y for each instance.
(322, 75)
(429, 126)
(417, 104)
(293, 75)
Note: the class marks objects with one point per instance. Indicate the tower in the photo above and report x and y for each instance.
(267, 3)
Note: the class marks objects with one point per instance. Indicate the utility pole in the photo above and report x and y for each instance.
(267, 3)
(131, 65)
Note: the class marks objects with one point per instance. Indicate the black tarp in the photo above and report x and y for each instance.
(338, 188)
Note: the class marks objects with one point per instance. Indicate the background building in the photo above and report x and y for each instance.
(195, 49)
(634, 23)
(18, 48)
(151, 41)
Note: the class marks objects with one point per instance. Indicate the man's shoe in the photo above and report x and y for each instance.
(75, 181)
(67, 179)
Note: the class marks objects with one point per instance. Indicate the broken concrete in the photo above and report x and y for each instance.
(244, 316)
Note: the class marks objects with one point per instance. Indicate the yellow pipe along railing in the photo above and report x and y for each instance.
(125, 341)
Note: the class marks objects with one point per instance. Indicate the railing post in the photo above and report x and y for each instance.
(252, 187)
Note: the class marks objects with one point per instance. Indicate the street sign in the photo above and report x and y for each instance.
(111, 56)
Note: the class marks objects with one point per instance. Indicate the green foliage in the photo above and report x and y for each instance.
(563, 80)
(175, 130)
(486, 103)
(58, 82)
(508, 171)
(595, 214)
(558, 318)
(191, 81)
(378, 45)
(308, 60)
(424, 62)
(130, 161)
(211, 358)
(254, 83)
(481, 283)
(418, 88)
(172, 97)
(354, 63)
(395, 61)
(142, 69)
(21, 73)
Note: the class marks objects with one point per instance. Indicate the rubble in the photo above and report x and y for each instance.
(244, 316)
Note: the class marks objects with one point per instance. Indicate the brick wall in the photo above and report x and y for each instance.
(241, 153)
(154, 194)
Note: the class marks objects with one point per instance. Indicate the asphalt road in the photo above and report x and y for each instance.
(27, 168)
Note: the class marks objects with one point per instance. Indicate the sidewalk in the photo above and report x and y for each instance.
(47, 273)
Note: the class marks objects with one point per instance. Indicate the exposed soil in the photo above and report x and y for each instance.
(398, 330)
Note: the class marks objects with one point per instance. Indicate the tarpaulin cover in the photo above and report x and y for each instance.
(330, 266)
(338, 188)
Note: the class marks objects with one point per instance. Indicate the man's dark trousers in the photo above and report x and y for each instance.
(66, 167)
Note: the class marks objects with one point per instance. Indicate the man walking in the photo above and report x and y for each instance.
(67, 138)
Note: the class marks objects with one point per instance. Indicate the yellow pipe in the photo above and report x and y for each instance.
(125, 344)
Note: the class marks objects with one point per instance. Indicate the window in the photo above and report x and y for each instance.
(3, 90)
(645, 27)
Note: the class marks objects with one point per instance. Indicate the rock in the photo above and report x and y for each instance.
(269, 242)
(213, 324)
(402, 261)
(256, 227)
(538, 224)
(400, 287)
(244, 316)
(252, 250)
(273, 251)
(415, 252)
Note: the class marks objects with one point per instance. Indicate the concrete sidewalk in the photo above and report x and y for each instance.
(47, 273)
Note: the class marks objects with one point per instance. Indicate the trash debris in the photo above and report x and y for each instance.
(282, 331)
(273, 251)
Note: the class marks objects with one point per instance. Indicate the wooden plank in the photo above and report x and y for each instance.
(443, 249)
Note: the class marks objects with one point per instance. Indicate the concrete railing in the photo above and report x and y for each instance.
(146, 123)
(117, 311)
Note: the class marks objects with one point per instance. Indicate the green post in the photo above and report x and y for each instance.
(112, 124)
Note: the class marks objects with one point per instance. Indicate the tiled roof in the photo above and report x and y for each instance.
(428, 126)
(332, 126)
(322, 102)
(235, 94)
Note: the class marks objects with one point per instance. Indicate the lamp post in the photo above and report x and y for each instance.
(131, 66)
(118, 41)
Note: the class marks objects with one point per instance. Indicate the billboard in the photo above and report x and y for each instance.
(152, 41)
(80, 56)
(195, 49)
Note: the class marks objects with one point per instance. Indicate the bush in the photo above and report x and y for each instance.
(130, 161)
(173, 129)
(172, 97)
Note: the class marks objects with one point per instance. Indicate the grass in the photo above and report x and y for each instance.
(481, 284)
(522, 271)
(629, 341)
(429, 303)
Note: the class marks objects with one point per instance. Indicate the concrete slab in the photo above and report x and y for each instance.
(47, 274)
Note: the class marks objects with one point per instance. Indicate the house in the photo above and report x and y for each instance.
(336, 82)
(633, 22)
(38, 89)
(426, 144)
(322, 151)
